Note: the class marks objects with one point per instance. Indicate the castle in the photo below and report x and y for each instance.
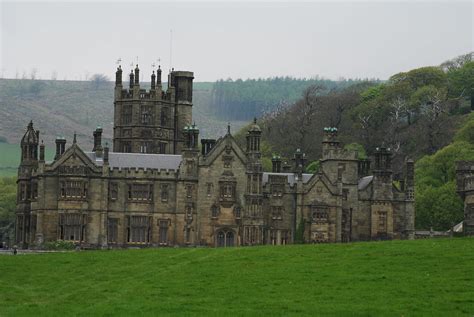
(158, 187)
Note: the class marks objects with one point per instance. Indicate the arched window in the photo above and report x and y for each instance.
(221, 239)
(214, 211)
(225, 239)
(229, 239)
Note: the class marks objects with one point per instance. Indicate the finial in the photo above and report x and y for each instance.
(74, 140)
(255, 120)
(228, 127)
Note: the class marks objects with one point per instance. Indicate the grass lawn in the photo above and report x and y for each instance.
(394, 278)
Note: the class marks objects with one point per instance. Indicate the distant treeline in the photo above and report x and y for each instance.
(243, 99)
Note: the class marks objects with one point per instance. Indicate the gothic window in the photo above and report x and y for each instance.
(277, 190)
(319, 214)
(164, 116)
(187, 236)
(145, 147)
(227, 191)
(341, 168)
(189, 211)
(209, 189)
(126, 146)
(277, 212)
(140, 192)
(382, 225)
(345, 193)
(214, 211)
(319, 237)
(127, 114)
(237, 211)
(273, 237)
(72, 227)
(284, 237)
(138, 229)
(146, 115)
(189, 191)
(113, 191)
(22, 192)
(73, 189)
(164, 192)
(112, 230)
(227, 161)
(163, 238)
(162, 147)
(225, 239)
(34, 190)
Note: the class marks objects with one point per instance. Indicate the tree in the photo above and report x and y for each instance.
(461, 82)
(98, 80)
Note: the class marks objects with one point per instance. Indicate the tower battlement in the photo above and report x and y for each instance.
(151, 121)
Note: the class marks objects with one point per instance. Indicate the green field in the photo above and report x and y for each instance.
(396, 278)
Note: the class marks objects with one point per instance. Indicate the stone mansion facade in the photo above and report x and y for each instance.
(160, 186)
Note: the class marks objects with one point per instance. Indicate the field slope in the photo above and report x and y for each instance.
(423, 277)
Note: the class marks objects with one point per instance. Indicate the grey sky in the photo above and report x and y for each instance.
(237, 40)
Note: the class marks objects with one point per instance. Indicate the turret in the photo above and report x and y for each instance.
(383, 161)
(137, 75)
(159, 76)
(382, 183)
(253, 139)
(153, 78)
(330, 141)
(254, 196)
(29, 144)
(131, 79)
(118, 77)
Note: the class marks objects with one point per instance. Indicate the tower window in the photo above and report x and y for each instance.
(164, 192)
(162, 147)
(164, 117)
(127, 114)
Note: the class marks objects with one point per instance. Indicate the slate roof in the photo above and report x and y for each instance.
(291, 177)
(139, 160)
(364, 182)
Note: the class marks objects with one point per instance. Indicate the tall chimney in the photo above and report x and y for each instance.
(41, 158)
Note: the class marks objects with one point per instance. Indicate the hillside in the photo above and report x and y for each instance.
(62, 107)
(395, 278)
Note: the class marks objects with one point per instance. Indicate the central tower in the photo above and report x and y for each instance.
(152, 121)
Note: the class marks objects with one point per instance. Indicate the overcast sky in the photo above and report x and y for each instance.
(232, 39)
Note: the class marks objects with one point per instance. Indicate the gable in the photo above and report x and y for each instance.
(74, 161)
(320, 183)
(226, 146)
